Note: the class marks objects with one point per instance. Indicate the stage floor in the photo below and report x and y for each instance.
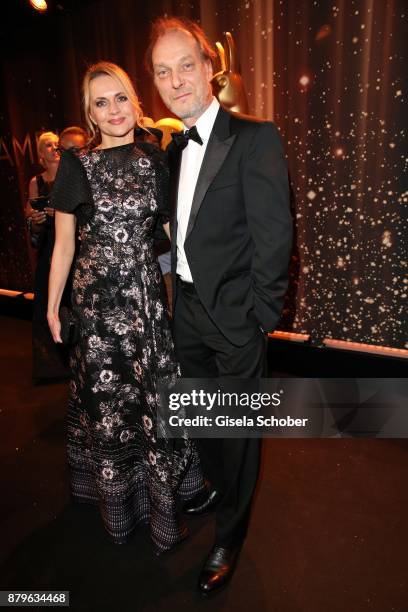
(328, 533)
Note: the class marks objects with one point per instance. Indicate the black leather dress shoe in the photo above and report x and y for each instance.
(218, 569)
(202, 503)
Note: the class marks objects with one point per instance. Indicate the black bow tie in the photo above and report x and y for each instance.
(181, 139)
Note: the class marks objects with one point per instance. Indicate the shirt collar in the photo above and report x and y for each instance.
(205, 122)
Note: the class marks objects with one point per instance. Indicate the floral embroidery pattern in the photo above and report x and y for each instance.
(125, 347)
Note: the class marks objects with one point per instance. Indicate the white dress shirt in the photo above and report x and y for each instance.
(191, 160)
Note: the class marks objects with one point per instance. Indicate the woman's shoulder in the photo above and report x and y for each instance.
(39, 179)
(78, 158)
(151, 151)
(71, 187)
(33, 187)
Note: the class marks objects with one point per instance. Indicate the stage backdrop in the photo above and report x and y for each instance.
(331, 74)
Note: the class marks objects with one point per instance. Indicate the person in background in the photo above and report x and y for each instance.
(73, 137)
(49, 361)
(41, 184)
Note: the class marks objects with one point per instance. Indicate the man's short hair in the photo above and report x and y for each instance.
(74, 130)
(162, 25)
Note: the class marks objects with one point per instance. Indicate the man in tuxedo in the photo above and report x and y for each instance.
(231, 241)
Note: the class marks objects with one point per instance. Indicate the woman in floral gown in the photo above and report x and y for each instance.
(116, 193)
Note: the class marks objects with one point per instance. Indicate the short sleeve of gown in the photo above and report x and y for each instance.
(71, 190)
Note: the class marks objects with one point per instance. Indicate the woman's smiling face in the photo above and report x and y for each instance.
(111, 110)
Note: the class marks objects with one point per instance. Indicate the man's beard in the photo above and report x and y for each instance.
(191, 112)
(196, 110)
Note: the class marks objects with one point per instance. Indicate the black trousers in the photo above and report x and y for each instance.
(230, 464)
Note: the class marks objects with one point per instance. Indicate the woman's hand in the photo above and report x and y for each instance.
(55, 326)
(38, 216)
(50, 211)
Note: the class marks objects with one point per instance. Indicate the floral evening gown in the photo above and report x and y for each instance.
(118, 196)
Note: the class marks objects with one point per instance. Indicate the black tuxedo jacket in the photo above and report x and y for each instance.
(239, 234)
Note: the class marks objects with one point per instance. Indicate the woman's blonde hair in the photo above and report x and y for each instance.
(117, 73)
(42, 139)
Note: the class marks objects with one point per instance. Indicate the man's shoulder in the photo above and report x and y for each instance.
(242, 118)
(249, 123)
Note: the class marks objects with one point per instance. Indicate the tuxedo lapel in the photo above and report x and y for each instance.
(217, 150)
(174, 160)
(174, 157)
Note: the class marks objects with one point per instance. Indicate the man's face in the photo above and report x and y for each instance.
(182, 76)
(69, 141)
